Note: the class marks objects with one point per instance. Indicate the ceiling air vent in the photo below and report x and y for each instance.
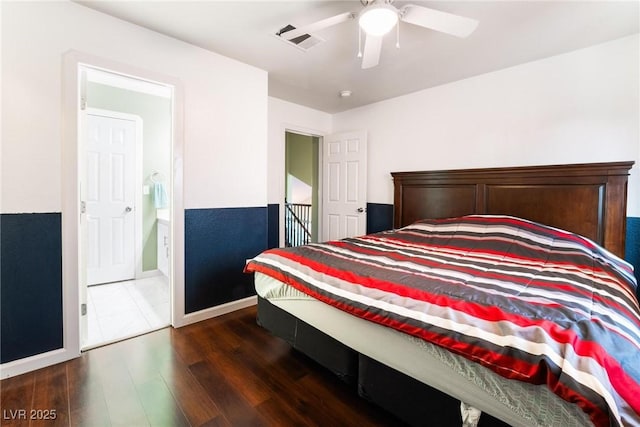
(304, 41)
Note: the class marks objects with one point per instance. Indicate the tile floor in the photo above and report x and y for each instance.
(125, 309)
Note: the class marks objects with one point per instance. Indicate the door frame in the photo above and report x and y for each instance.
(306, 132)
(138, 179)
(71, 61)
(316, 193)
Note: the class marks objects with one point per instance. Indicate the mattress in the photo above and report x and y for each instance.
(517, 403)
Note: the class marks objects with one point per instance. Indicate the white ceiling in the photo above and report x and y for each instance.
(509, 33)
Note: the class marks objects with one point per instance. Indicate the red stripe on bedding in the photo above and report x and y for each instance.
(538, 282)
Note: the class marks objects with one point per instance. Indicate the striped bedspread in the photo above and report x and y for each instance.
(529, 302)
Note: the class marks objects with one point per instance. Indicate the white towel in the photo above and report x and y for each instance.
(160, 199)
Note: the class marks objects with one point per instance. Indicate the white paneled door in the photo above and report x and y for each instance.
(345, 185)
(110, 196)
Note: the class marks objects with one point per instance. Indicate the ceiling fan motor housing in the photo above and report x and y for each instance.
(378, 19)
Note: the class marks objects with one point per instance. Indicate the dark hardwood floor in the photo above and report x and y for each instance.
(225, 371)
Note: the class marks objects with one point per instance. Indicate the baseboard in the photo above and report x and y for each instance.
(32, 363)
(218, 310)
(149, 273)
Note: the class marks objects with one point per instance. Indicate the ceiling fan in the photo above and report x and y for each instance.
(378, 17)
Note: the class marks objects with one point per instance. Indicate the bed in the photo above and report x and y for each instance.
(426, 377)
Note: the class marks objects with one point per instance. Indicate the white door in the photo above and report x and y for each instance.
(344, 193)
(110, 195)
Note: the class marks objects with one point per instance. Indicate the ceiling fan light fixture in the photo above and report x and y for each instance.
(378, 19)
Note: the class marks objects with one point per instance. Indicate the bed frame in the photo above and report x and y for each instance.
(589, 199)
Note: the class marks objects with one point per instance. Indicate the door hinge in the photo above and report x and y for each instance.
(83, 309)
(83, 207)
(83, 103)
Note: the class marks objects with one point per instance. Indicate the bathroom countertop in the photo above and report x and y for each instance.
(162, 215)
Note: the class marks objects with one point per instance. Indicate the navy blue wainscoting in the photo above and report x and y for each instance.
(632, 246)
(30, 284)
(273, 225)
(379, 217)
(217, 244)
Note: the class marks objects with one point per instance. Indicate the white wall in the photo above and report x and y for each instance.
(578, 107)
(225, 105)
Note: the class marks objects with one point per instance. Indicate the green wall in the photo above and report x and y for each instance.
(299, 157)
(155, 112)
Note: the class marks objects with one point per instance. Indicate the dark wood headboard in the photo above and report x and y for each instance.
(588, 199)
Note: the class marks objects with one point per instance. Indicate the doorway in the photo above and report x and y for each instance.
(301, 205)
(125, 175)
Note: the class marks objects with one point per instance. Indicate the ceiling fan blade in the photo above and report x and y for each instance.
(372, 48)
(317, 26)
(444, 22)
